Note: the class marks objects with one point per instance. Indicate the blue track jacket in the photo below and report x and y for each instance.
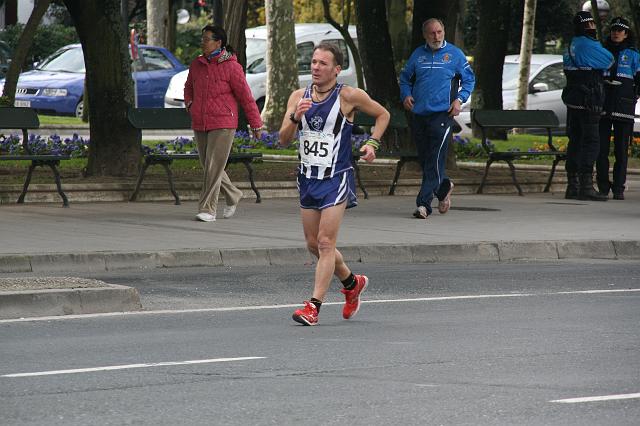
(437, 75)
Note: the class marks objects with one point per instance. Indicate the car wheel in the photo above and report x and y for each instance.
(260, 103)
(79, 108)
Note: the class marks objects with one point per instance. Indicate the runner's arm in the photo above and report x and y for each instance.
(289, 128)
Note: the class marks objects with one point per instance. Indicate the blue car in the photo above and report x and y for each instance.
(56, 85)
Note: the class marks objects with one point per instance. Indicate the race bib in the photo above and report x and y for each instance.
(316, 148)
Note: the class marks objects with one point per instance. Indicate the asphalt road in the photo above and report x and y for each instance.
(434, 344)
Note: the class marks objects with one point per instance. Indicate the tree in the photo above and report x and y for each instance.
(526, 45)
(115, 143)
(493, 19)
(344, 31)
(235, 15)
(282, 67)
(376, 52)
(398, 30)
(157, 22)
(21, 51)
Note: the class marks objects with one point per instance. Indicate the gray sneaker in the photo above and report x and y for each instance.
(421, 213)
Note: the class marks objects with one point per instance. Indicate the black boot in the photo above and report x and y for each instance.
(572, 187)
(586, 191)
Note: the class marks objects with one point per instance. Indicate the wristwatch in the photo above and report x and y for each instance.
(292, 117)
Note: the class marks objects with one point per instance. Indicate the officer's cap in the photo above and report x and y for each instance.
(620, 23)
(582, 18)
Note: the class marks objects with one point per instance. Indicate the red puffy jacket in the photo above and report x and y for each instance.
(213, 91)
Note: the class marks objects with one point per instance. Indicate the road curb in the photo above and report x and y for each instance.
(29, 303)
(499, 251)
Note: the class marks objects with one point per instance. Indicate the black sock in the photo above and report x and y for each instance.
(316, 302)
(349, 283)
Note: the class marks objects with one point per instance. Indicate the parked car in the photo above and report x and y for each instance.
(307, 37)
(636, 121)
(546, 81)
(56, 85)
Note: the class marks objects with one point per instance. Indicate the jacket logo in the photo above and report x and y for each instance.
(446, 58)
(316, 122)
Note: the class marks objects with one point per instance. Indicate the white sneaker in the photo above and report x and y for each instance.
(205, 217)
(229, 211)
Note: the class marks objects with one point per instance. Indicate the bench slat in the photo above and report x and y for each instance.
(159, 118)
(18, 118)
(509, 119)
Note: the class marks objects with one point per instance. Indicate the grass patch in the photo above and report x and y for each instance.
(59, 119)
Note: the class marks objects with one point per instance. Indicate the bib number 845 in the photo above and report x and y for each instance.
(317, 148)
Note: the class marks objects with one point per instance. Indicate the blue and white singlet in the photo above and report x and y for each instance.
(325, 138)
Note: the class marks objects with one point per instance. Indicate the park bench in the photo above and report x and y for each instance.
(510, 119)
(177, 118)
(26, 119)
(397, 123)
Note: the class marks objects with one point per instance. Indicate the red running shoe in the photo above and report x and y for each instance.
(352, 297)
(307, 315)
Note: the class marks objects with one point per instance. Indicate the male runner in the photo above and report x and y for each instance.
(322, 116)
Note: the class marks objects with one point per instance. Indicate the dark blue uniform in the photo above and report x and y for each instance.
(619, 110)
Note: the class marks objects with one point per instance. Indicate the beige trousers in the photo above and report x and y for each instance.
(213, 149)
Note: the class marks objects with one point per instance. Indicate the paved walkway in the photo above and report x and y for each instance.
(99, 236)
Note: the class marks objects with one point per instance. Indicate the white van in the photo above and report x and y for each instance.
(307, 37)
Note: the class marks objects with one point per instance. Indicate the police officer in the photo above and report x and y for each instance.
(622, 86)
(584, 64)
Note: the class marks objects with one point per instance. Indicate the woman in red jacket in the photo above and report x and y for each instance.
(215, 86)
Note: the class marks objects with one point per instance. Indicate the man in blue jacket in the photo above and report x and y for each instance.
(584, 64)
(622, 87)
(434, 84)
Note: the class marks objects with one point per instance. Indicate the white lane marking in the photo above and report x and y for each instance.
(598, 398)
(129, 366)
(297, 305)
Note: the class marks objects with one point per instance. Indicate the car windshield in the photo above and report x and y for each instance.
(255, 55)
(68, 60)
(510, 74)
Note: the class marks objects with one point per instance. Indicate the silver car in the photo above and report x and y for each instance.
(546, 81)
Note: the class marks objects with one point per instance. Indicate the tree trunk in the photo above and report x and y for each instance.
(21, 51)
(398, 30)
(375, 45)
(493, 33)
(526, 45)
(596, 17)
(115, 144)
(282, 67)
(344, 31)
(634, 7)
(235, 15)
(157, 22)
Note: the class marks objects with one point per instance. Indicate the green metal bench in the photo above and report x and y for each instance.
(26, 119)
(177, 118)
(510, 119)
(397, 123)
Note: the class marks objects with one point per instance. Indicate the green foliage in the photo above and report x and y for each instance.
(188, 38)
(48, 39)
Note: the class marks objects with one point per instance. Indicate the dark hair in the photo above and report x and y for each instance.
(219, 34)
(335, 50)
(580, 21)
(620, 22)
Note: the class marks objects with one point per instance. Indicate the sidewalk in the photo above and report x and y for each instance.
(50, 241)
(105, 236)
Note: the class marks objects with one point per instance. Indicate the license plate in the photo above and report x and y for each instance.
(22, 104)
